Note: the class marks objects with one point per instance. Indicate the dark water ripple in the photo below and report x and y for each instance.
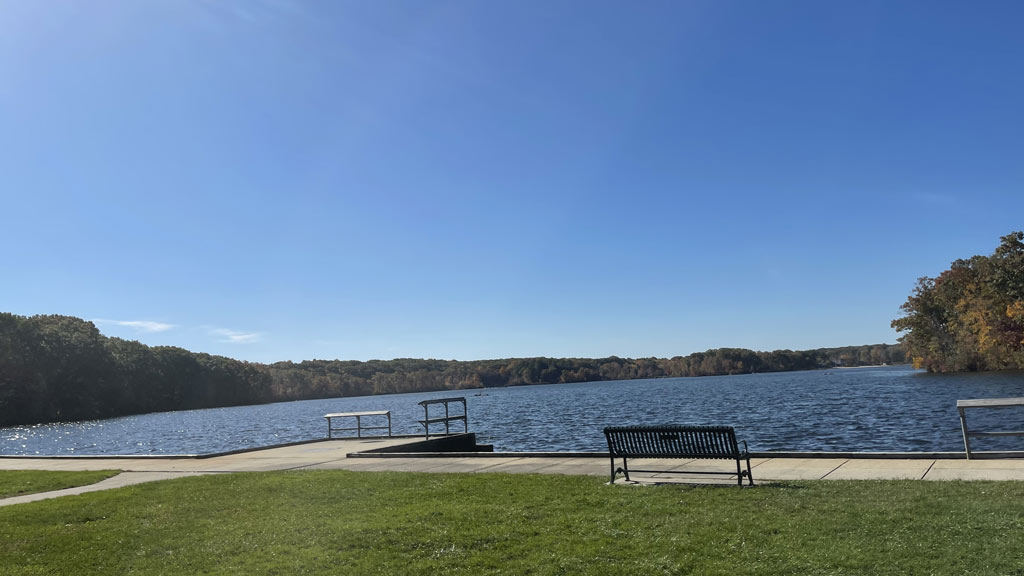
(864, 409)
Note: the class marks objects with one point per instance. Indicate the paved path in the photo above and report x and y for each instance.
(122, 479)
(333, 455)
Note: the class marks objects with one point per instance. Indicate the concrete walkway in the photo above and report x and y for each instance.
(119, 481)
(334, 455)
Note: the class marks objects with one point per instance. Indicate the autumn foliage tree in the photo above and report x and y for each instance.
(970, 317)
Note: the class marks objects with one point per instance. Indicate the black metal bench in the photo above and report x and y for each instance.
(696, 442)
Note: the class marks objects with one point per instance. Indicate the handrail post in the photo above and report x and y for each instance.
(963, 427)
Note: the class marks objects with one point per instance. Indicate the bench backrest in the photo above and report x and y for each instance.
(672, 441)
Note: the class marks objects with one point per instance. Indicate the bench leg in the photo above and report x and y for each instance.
(740, 473)
(624, 469)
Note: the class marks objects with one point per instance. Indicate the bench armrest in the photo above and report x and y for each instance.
(745, 449)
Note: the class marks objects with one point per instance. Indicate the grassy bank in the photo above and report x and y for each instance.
(18, 482)
(401, 523)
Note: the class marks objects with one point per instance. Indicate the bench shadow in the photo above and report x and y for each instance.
(684, 483)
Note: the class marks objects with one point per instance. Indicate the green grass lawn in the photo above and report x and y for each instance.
(18, 482)
(402, 523)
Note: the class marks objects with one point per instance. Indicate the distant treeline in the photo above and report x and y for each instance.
(60, 368)
(971, 317)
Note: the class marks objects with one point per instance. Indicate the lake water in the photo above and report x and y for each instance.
(860, 409)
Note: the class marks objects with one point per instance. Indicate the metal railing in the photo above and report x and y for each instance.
(448, 419)
(985, 403)
(358, 428)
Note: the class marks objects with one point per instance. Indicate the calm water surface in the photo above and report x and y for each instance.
(862, 409)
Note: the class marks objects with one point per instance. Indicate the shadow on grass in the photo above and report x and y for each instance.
(658, 482)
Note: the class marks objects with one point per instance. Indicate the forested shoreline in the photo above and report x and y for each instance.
(971, 316)
(61, 368)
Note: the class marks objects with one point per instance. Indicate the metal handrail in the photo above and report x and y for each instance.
(359, 422)
(448, 418)
(985, 403)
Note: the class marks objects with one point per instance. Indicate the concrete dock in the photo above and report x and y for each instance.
(338, 455)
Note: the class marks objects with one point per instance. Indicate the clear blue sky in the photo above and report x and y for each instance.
(273, 180)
